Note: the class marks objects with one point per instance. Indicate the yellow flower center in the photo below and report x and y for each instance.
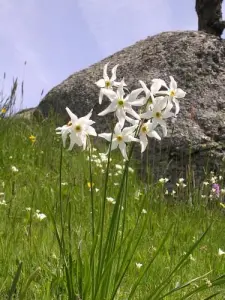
(144, 129)
(120, 102)
(172, 93)
(158, 114)
(3, 110)
(119, 138)
(69, 123)
(78, 128)
(107, 84)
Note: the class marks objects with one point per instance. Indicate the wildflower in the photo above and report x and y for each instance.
(158, 114)
(64, 183)
(147, 129)
(221, 252)
(139, 265)
(131, 170)
(208, 282)
(3, 110)
(163, 180)
(96, 190)
(144, 211)
(205, 183)
(174, 94)
(2, 194)
(118, 167)
(78, 130)
(32, 138)
(121, 105)
(116, 183)
(3, 203)
(105, 82)
(203, 196)
(90, 185)
(28, 208)
(222, 204)
(111, 200)
(39, 216)
(216, 189)
(149, 94)
(14, 169)
(173, 192)
(213, 179)
(120, 138)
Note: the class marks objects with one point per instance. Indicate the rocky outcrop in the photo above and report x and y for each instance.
(197, 62)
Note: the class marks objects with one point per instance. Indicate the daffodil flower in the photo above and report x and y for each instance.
(120, 138)
(174, 94)
(78, 129)
(149, 98)
(121, 105)
(147, 129)
(159, 112)
(107, 82)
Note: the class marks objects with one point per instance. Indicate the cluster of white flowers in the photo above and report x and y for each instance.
(157, 103)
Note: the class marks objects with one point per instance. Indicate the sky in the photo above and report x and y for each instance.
(57, 38)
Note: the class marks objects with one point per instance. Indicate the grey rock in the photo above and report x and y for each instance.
(196, 60)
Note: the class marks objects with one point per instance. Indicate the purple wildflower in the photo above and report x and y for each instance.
(216, 189)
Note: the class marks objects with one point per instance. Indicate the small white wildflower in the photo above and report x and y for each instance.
(220, 177)
(96, 190)
(14, 169)
(39, 216)
(181, 180)
(173, 192)
(116, 183)
(213, 179)
(222, 191)
(221, 252)
(144, 211)
(139, 265)
(131, 170)
(64, 183)
(3, 203)
(166, 192)
(10, 157)
(118, 167)
(28, 208)
(191, 257)
(208, 282)
(111, 200)
(203, 196)
(2, 194)
(205, 183)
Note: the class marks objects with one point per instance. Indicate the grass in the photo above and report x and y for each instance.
(61, 257)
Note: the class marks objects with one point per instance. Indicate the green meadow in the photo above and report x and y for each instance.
(77, 225)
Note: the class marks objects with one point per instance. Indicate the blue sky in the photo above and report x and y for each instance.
(60, 37)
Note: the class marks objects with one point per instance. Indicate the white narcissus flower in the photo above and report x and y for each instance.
(149, 98)
(174, 94)
(120, 138)
(121, 105)
(147, 129)
(221, 252)
(107, 82)
(78, 130)
(159, 112)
